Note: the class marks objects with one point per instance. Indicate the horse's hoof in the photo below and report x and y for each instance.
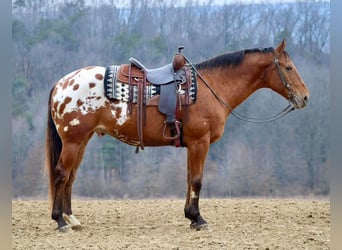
(72, 221)
(76, 227)
(64, 229)
(199, 227)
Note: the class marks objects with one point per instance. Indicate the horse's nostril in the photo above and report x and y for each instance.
(306, 98)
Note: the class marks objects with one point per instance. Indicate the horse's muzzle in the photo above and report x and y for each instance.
(299, 102)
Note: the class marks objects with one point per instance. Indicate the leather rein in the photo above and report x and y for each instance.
(246, 118)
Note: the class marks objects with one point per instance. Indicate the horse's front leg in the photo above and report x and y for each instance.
(196, 158)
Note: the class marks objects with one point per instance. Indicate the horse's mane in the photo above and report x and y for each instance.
(231, 59)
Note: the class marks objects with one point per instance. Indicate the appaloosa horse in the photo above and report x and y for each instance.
(78, 108)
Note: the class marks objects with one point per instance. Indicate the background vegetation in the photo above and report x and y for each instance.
(287, 157)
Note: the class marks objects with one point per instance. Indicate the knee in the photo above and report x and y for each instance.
(71, 179)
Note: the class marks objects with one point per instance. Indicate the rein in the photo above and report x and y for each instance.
(246, 118)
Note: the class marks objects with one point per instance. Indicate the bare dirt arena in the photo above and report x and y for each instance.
(160, 224)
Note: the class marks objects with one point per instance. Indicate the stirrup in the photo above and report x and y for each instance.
(177, 124)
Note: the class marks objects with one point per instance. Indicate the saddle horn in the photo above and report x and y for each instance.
(178, 60)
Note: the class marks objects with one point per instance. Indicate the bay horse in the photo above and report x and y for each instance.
(78, 108)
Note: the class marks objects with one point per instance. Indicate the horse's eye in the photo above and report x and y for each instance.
(288, 68)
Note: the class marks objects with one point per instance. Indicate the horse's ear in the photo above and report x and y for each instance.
(281, 47)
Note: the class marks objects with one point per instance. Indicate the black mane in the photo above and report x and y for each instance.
(230, 59)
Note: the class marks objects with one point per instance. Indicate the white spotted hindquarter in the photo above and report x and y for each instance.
(78, 98)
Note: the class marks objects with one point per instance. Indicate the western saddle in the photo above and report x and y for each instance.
(168, 82)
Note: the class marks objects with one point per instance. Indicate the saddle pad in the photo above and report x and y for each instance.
(116, 89)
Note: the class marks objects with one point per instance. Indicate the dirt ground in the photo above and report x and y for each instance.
(160, 224)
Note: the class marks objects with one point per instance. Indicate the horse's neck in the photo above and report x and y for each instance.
(235, 84)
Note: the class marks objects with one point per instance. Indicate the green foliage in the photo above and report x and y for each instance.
(57, 31)
(18, 30)
(159, 46)
(126, 44)
(20, 87)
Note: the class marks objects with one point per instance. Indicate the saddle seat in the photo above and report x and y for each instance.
(165, 74)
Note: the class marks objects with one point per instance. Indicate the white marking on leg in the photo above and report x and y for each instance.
(72, 221)
(193, 195)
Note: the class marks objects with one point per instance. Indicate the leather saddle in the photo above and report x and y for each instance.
(168, 79)
(162, 75)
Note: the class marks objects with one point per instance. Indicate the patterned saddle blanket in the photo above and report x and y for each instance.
(117, 86)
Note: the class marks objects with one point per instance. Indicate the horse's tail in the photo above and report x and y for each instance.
(53, 149)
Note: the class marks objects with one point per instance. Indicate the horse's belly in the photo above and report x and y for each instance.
(123, 126)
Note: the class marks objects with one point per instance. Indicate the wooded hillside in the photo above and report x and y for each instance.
(287, 157)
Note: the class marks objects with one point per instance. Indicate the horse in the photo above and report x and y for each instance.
(78, 109)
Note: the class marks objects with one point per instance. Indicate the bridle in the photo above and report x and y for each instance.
(252, 119)
(283, 80)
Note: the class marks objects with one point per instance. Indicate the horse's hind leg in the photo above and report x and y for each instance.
(63, 171)
(67, 211)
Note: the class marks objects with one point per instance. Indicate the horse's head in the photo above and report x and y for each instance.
(285, 79)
